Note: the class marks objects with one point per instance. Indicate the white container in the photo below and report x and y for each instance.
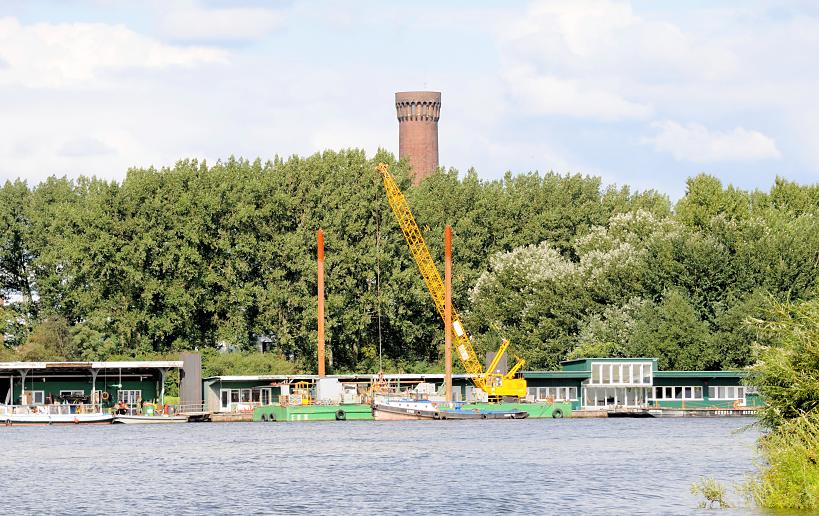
(328, 390)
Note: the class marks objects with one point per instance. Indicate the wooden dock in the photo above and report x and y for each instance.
(231, 417)
(197, 417)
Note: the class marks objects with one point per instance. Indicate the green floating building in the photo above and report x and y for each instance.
(611, 383)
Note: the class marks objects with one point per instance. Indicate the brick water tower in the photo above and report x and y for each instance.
(418, 114)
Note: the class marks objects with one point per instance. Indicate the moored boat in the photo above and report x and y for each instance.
(55, 419)
(410, 409)
(53, 415)
(149, 420)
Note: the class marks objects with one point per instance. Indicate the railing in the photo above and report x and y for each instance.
(187, 408)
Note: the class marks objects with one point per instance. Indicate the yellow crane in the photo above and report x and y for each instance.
(494, 384)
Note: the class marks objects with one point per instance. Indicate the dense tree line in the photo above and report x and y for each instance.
(198, 255)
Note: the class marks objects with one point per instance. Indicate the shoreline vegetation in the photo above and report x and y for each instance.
(787, 376)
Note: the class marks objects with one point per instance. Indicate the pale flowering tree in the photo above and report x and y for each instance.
(531, 295)
(610, 333)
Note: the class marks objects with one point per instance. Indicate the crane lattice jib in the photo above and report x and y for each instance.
(432, 278)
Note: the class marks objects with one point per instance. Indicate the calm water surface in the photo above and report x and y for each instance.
(565, 466)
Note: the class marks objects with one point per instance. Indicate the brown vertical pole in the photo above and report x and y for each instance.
(448, 312)
(320, 236)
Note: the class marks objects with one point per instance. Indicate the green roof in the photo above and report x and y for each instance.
(557, 374)
(700, 374)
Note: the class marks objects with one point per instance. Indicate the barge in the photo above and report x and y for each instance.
(410, 409)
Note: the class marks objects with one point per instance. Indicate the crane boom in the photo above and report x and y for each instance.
(493, 384)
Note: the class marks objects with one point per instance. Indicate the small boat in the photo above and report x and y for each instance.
(410, 409)
(55, 419)
(149, 420)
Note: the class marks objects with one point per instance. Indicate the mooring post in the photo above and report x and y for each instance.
(320, 236)
(448, 312)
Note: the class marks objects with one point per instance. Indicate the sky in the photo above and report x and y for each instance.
(641, 93)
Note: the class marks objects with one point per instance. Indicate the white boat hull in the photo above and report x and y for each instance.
(401, 410)
(55, 419)
(382, 414)
(149, 420)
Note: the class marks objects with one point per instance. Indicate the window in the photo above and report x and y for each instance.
(556, 393)
(629, 373)
(37, 397)
(678, 393)
(726, 393)
(597, 373)
(246, 395)
(72, 393)
(131, 397)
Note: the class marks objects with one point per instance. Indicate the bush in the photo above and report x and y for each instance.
(712, 491)
(215, 363)
(787, 373)
(791, 478)
(787, 377)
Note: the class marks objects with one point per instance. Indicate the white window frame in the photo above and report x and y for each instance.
(597, 373)
(557, 393)
(628, 374)
(669, 393)
(266, 392)
(35, 395)
(129, 396)
(72, 392)
(730, 392)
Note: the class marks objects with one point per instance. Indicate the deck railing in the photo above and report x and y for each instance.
(62, 409)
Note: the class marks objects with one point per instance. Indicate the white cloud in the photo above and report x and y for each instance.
(83, 147)
(696, 143)
(68, 54)
(549, 95)
(597, 59)
(194, 23)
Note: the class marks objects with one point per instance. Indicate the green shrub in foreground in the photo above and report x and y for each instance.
(787, 377)
(712, 491)
(791, 478)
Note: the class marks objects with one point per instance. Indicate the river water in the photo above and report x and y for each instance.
(551, 466)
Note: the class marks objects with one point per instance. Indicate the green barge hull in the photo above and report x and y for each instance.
(535, 410)
(356, 412)
(360, 412)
